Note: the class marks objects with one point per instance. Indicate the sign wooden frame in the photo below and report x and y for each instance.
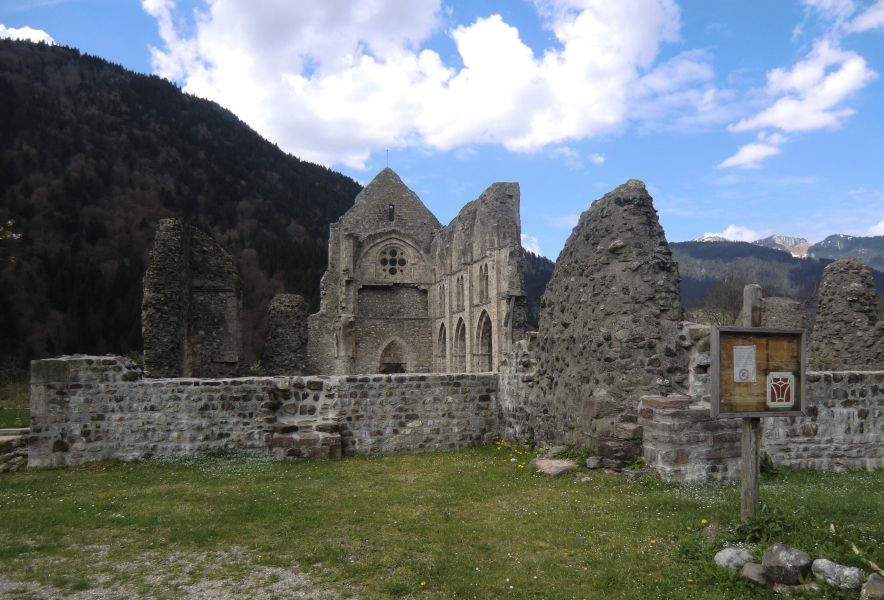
(779, 336)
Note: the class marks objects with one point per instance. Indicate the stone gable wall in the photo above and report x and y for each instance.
(86, 408)
(608, 321)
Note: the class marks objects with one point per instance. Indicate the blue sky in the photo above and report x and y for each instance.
(746, 117)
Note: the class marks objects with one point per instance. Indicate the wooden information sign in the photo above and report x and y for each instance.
(757, 372)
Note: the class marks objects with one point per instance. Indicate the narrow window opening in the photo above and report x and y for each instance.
(391, 212)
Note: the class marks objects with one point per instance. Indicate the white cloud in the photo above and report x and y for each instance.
(529, 242)
(25, 33)
(812, 90)
(872, 18)
(836, 10)
(737, 233)
(750, 156)
(596, 158)
(332, 83)
(877, 229)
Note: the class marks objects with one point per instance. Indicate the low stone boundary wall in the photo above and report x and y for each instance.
(86, 408)
(843, 429)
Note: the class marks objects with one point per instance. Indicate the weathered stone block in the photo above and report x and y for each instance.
(628, 431)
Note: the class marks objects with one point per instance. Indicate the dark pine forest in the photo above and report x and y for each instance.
(92, 156)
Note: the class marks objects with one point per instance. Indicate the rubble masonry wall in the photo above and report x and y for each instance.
(86, 408)
(843, 429)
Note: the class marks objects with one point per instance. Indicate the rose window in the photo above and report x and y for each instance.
(393, 260)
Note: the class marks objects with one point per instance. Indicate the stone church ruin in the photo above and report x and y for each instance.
(420, 344)
(403, 294)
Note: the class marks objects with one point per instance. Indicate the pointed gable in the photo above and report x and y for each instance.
(372, 212)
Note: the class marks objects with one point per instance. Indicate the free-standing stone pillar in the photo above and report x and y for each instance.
(190, 315)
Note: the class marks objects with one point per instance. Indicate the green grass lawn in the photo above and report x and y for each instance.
(14, 405)
(466, 524)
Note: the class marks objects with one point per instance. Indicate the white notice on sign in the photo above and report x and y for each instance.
(744, 364)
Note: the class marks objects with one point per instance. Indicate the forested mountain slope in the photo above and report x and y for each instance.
(538, 271)
(92, 156)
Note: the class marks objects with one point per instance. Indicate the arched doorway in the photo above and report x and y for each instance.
(482, 354)
(460, 348)
(393, 358)
(442, 350)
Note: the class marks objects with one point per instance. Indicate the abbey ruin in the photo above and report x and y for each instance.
(420, 344)
(403, 294)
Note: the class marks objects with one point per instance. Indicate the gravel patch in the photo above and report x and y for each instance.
(202, 575)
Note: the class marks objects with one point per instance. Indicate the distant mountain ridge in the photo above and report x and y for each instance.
(795, 246)
(868, 249)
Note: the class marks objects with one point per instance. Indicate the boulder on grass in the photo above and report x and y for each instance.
(732, 558)
(554, 466)
(873, 589)
(785, 564)
(837, 575)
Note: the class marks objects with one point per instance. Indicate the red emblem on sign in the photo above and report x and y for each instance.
(780, 390)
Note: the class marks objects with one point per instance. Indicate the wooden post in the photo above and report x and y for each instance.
(750, 491)
(750, 495)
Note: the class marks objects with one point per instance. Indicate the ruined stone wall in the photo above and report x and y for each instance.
(396, 414)
(683, 443)
(518, 399)
(479, 256)
(783, 313)
(389, 247)
(608, 321)
(285, 351)
(86, 408)
(843, 429)
(166, 304)
(847, 334)
(192, 305)
(393, 326)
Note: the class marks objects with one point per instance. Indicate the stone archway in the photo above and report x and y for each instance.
(394, 358)
(482, 357)
(442, 350)
(459, 354)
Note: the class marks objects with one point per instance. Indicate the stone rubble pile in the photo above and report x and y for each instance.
(787, 570)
